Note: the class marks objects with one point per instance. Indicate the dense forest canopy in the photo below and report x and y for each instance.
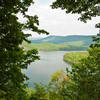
(13, 58)
(87, 8)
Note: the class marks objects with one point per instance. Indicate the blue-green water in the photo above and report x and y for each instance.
(49, 63)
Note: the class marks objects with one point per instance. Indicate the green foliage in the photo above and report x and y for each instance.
(87, 8)
(74, 57)
(51, 92)
(13, 58)
(85, 75)
(58, 79)
(39, 93)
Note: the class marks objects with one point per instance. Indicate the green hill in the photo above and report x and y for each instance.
(64, 43)
(50, 46)
(64, 39)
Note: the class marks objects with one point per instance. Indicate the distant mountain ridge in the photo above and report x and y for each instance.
(65, 39)
(61, 43)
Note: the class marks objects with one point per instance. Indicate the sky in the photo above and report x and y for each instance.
(57, 22)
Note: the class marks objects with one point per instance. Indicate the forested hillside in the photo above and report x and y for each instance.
(62, 43)
(69, 46)
(87, 40)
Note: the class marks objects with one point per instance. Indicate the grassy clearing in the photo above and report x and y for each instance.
(74, 57)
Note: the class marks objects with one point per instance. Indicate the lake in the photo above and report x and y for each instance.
(49, 63)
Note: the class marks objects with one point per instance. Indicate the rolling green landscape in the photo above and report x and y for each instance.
(50, 46)
(87, 39)
(61, 43)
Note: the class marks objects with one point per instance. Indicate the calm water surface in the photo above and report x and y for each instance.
(41, 70)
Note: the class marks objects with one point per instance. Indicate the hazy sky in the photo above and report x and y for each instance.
(57, 22)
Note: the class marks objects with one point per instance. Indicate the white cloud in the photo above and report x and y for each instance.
(57, 22)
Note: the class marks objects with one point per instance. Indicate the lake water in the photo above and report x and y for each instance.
(49, 63)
